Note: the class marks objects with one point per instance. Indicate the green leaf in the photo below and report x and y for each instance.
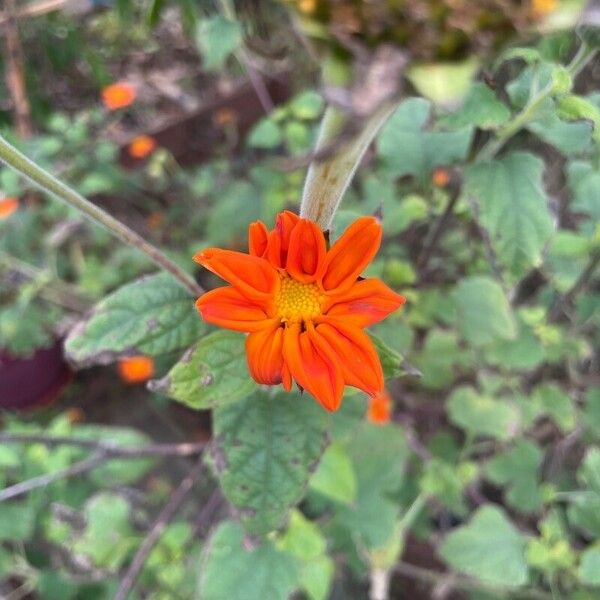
(211, 373)
(391, 361)
(575, 107)
(108, 537)
(304, 541)
(589, 568)
(483, 312)
(523, 353)
(584, 511)
(556, 403)
(409, 150)
(307, 105)
(584, 182)
(379, 454)
(482, 415)
(518, 470)
(591, 412)
(488, 548)
(265, 134)
(17, 521)
(439, 358)
(334, 477)
(264, 451)
(217, 38)
(480, 108)
(440, 480)
(589, 472)
(512, 207)
(232, 571)
(153, 315)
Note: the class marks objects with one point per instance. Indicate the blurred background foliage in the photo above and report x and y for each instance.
(485, 482)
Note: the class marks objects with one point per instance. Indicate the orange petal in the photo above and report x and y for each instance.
(306, 252)
(356, 354)
(352, 253)
(258, 236)
(279, 238)
(313, 370)
(264, 350)
(380, 408)
(365, 303)
(227, 308)
(254, 277)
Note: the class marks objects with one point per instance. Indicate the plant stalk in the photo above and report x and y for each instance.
(46, 182)
(328, 177)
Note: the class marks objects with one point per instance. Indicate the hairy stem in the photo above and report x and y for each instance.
(329, 176)
(53, 186)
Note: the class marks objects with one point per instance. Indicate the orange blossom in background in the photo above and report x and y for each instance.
(136, 369)
(303, 306)
(118, 95)
(141, 146)
(8, 206)
(380, 408)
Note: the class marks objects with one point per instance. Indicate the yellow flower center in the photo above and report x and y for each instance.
(297, 301)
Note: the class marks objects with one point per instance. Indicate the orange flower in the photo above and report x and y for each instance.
(7, 207)
(304, 306)
(141, 146)
(539, 8)
(118, 95)
(136, 369)
(440, 177)
(380, 408)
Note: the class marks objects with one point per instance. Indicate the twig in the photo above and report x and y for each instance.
(159, 525)
(43, 480)
(53, 186)
(108, 449)
(464, 583)
(15, 79)
(436, 234)
(564, 301)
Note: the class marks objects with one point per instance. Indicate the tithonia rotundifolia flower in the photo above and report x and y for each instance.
(303, 306)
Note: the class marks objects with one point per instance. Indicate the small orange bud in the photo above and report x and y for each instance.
(540, 8)
(380, 408)
(141, 146)
(155, 220)
(8, 206)
(440, 177)
(118, 95)
(136, 369)
(225, 116)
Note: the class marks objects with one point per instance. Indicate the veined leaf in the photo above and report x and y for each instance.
(153, 315)
(265, 448)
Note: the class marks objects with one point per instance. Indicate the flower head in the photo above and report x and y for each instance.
(303, 306)
(118, 95)
(136, 369)
(7, 207)
(380, 408)
(141, 146)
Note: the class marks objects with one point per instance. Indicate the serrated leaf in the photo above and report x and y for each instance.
(334, 476)
(488, 548)
(517, 469)
(409, 150)
(231, 571)
(211, 373)
(512, 207)
(480, 108)
(483, 312)
(265, 448)
(482, 415)
(153, 315)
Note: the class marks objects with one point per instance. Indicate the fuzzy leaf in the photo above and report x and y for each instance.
(265, 448)
(512, 207)
(212, 372)
(153, 315)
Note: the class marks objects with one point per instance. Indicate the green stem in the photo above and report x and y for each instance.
(329, 176)
(53, 186)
